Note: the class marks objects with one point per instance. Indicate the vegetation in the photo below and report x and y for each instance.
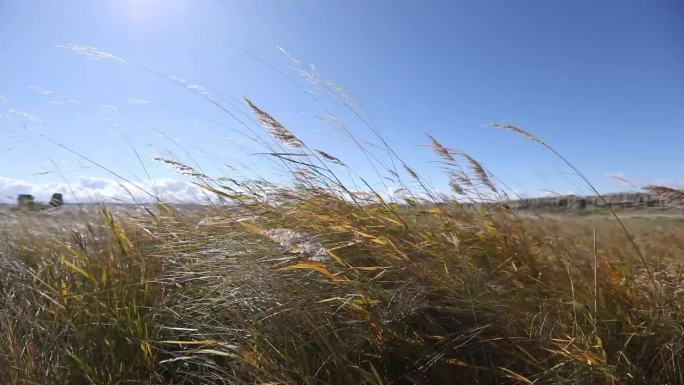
(426, 290)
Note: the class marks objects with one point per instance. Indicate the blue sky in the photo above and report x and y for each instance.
(603, 82)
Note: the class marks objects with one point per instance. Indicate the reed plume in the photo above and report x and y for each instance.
(277, 130)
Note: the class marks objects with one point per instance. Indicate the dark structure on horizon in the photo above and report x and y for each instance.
(56, 200)
(575, 202)
(26, 201)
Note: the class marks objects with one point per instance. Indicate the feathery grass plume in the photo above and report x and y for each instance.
(455, 182)
(311, 74)
(92, 53)
(480, 172)
(673, 196)
(352, 105)
(197, 89)
(181, 168)
(277, 130)
(410, 171)
(458, 178)
(621, 179)
(525, 133)
(303, 176)
(440, 149)
(330, 158)
(194, 87)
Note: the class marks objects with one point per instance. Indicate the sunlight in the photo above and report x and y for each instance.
(142, 6)
(141, 12)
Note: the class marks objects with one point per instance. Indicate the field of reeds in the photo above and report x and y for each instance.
(324, 280)
(318, 284)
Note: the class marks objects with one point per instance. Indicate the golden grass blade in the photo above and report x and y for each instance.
(189, 342)
(78, 270)
(315, 266)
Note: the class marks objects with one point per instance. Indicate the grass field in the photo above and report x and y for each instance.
(429, 291)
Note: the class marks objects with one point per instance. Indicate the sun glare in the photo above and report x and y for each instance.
(144, 11)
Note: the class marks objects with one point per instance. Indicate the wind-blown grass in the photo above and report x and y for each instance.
(429, 289)
(416, 293)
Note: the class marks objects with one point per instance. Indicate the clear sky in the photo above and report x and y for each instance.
(602, 81)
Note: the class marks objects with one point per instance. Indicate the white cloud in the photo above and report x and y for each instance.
(138, 101)
(88, 189)
(43, 91)
(2, 99)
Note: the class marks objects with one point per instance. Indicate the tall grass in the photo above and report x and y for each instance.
(428, 289)
(412, 293)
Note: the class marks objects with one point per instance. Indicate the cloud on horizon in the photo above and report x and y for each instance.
(89, 189)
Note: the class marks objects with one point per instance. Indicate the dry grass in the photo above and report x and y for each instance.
(429, 291)
(441, 295)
